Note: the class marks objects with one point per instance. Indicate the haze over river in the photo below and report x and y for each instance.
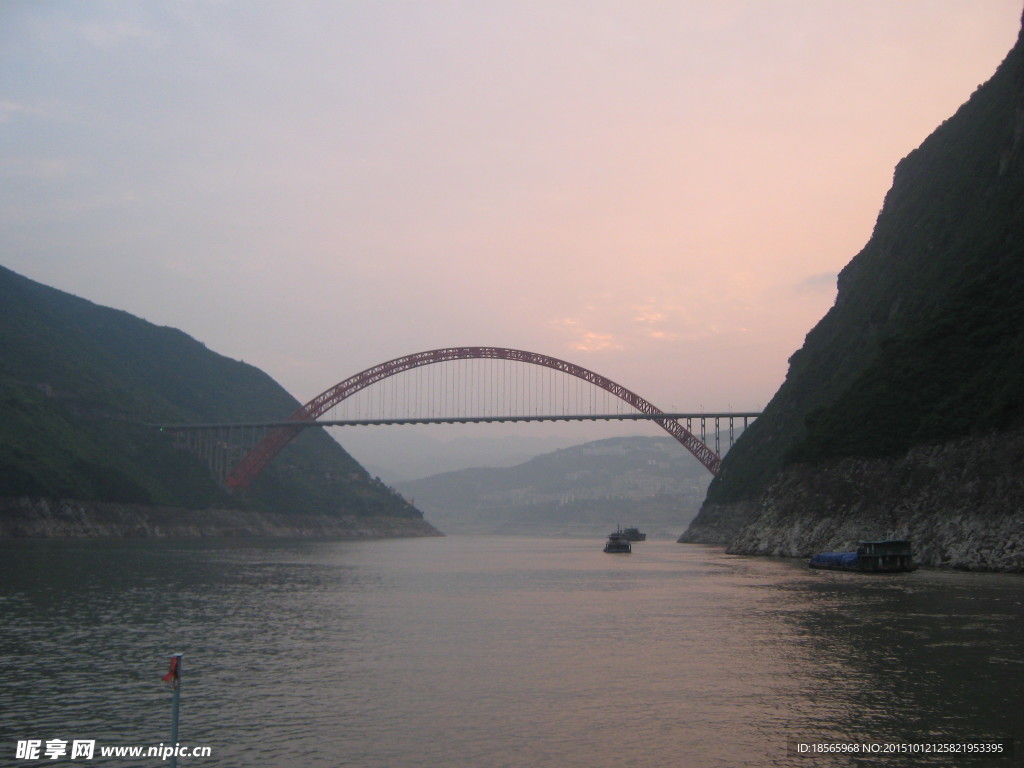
(499, 651)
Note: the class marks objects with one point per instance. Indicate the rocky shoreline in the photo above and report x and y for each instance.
(49, 518)
(960, 503)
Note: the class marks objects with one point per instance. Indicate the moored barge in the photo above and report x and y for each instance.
(888, 556)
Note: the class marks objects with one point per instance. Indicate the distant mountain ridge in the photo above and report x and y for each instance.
(409, 454)
(650, 482)
(923, 351)
(80, 384)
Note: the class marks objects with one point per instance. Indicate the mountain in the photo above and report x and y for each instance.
(400, 455)
(902, 412)
(649, 482)
(80, 385)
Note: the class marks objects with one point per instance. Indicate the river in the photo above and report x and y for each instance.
(488, 652)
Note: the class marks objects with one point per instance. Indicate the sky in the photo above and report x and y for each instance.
(660, 191)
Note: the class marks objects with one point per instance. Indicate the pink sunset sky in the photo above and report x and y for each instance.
(662, 192)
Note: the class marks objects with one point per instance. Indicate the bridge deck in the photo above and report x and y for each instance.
(465, 420)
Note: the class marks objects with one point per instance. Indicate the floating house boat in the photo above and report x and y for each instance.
(889, 556)
(634, 534)
(617, 542)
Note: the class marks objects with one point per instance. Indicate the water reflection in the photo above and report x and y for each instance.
(497, 651)
(912, 657)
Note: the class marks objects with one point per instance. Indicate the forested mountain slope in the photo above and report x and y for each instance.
(80, 385)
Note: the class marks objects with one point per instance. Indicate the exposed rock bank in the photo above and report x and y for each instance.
(961, 503)
(47, 518)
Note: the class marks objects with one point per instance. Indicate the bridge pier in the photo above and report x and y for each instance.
(219, 446)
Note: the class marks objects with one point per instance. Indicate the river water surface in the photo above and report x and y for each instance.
(499, 651)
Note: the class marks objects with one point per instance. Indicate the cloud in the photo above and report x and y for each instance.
(110, 34)
(823, 281)
(10, 110)
(650, 321)
(648, 316)
(569, 322)
(577, 337)
(595, 342)
(42, 168)
(648, 324)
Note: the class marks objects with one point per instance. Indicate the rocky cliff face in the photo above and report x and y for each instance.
(961, 503)
(904, 409)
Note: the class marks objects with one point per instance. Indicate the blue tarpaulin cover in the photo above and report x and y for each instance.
(835, 559)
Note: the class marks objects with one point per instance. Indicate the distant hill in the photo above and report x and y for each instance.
(80, 383)
(410, 454)
(914, 380)
(585, 490)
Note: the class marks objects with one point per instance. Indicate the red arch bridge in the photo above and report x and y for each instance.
(455, 385)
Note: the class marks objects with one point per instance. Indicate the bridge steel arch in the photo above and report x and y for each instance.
(249, 468)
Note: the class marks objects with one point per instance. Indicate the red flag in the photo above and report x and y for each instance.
(173, 674)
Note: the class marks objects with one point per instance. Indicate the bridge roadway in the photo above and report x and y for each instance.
(731, 415)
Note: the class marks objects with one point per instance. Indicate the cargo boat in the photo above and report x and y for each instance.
(889, 556)
(617, 542)
(634, 534)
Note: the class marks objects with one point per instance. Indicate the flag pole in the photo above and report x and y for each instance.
(174, 678)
